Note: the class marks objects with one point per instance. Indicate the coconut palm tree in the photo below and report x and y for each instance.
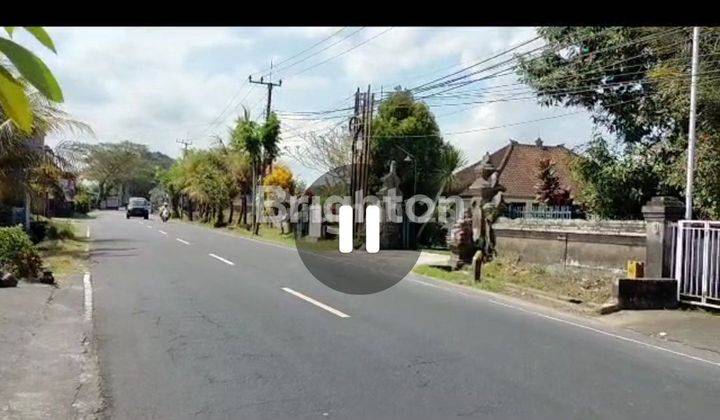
(245, 138)
(27, 165)
(451, 160)
(19, 69)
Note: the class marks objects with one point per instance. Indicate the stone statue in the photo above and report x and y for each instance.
(486, 205)
(390, 181)
(460, 241)
(392, 210)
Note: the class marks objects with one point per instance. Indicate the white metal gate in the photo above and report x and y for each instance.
(697, 262)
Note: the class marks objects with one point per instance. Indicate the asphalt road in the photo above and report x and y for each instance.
(193, 323)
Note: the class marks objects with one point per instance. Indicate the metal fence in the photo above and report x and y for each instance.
(540, 212)
(697, 262)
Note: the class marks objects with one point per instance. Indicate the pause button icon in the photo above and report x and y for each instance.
(372, 229)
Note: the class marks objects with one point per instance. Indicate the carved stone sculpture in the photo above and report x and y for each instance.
(392, 211)
(486, 205)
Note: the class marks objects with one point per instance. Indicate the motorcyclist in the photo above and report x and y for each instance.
(164, 212)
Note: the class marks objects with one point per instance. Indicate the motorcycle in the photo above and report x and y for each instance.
(165, 215)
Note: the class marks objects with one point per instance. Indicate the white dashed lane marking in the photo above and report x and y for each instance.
(217, 257)
(316, 303)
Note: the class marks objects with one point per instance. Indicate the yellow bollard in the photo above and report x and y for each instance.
(635, 269)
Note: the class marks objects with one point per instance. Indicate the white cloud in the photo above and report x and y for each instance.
(137, 83)
(517, 118)
(155, 85)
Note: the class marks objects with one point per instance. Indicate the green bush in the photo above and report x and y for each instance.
(82, 203)
(433, 236)
(38, 231)
(17, 253)
(60, 230)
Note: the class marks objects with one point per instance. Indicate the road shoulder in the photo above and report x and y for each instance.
(49, 367)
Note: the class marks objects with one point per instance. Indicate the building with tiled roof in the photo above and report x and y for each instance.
(517, 171)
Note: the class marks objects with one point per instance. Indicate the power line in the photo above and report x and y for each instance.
(304, 51)
(218, 118)
(342, 53)
(556, 49)
(319, 51)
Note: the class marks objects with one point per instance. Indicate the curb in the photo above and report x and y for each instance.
(88, 402)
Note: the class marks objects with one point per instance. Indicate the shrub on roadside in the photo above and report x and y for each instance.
(82, 203)
(38, 231)
(17, 253)
(60, 230)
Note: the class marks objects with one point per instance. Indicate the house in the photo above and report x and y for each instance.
(517, 172)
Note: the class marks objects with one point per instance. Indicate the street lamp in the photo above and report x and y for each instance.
(409, 157)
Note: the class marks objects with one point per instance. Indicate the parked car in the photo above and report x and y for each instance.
(137, 207)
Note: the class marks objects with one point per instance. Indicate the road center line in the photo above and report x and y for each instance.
(228, 262)
(162, 231)
(149, 227)
(316, 303)
(182, 241)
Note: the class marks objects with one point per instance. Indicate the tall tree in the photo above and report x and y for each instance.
(245, 138)
(613, 184)
(125, 167)
(261, 144)
(404, 123)
(548, 189)
(635, 83)
(324, 151)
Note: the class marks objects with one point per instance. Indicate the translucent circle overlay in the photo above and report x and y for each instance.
(358, 272)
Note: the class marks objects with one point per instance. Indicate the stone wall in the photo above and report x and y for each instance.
(607, 244)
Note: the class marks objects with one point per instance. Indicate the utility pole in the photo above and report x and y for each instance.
(691, 128)
(185, 144)
(360, 129)
(270, 85)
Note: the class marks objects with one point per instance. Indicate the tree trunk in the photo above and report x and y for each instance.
(232, 212)
(258, 208)
(220, 221)
(206, 214)
(243, 209)
(174, 203)
(254, 199)
(101, 193)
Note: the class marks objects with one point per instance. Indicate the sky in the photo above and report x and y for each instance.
(157, 85)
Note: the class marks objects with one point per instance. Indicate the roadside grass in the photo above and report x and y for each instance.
(582, 285)
(83, 216)
(463, 277)
(266, 233)
(66, 255)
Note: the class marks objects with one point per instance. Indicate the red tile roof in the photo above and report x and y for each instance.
(517, 164)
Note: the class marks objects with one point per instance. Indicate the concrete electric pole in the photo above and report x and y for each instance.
(270, 85)
(691, 128)
(185, 144)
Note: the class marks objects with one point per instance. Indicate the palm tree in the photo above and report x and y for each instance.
(25, 164)
(451, 160)
(238, 165)
(245, 138)
(20, 69)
